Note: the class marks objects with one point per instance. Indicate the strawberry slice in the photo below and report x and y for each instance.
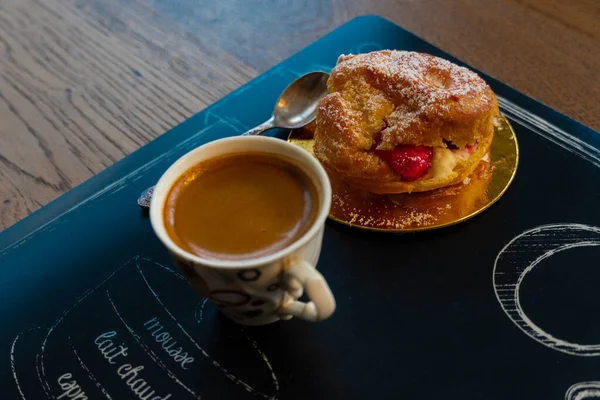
(410, 162)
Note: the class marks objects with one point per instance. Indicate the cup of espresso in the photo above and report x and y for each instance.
(243, 219)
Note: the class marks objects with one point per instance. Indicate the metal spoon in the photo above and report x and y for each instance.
(297, 104)
(295, 108)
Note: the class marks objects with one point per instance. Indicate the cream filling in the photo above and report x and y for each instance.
(444, 161)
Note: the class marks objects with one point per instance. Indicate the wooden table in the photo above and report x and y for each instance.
(83, 83)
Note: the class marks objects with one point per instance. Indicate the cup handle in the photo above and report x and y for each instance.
(300, 277)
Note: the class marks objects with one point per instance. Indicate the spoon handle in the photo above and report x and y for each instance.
(257, 130)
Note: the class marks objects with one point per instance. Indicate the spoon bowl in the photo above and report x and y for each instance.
(297, 105)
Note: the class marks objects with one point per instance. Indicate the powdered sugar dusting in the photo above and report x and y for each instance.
(421, 81)
(417, 88)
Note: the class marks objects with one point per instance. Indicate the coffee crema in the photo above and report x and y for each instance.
(240, 206)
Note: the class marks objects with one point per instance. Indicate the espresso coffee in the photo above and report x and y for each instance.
(240, 206)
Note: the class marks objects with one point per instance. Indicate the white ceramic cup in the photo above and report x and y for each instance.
(261, 290)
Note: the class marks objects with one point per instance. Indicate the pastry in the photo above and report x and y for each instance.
(401, 122)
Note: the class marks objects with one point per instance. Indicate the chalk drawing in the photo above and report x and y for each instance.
(584, 390)
(200, 316)
(549, 131)
(40, 363)
(90, 374)
(266, 360)
(43, 381)
(215, 363)
(199, 313)
(12, 366)
(520, 256)
(159, 265)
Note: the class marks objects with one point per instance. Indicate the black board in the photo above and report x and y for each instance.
(84, 283)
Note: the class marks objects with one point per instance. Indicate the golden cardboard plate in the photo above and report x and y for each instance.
(426, 210)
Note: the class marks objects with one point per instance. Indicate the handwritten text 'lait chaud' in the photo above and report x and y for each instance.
(112, 351)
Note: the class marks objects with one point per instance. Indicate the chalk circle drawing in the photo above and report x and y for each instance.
(524, 253)
(583, 390)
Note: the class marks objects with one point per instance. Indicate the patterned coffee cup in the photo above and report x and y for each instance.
(260, 290)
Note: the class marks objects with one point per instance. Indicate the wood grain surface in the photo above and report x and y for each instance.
(85, 82)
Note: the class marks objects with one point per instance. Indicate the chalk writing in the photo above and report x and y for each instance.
(228, 374)
(108, 348)
(113, 345)
(139, 386)
(70, 388)
(168, 343)
(149, 351)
